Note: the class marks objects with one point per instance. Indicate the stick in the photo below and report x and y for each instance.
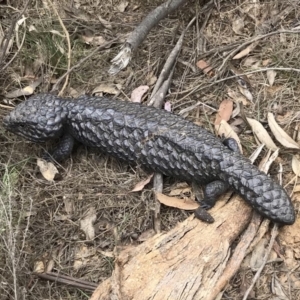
(68, 280)
(197, 88)
(171, 60)
(123, 58)
(69, 46)
(273, 236)
(252, 40)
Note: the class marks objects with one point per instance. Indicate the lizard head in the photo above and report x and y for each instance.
(37, 119)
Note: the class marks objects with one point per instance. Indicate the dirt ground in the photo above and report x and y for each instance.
(41, 221)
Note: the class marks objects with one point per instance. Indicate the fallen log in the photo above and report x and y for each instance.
(184, 263)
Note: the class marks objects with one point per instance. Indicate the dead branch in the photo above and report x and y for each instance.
(184, 263)
(139, 34)
(67, 280)
(158, 95)
(170, 61)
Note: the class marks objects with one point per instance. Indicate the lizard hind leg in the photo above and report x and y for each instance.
(211, 193)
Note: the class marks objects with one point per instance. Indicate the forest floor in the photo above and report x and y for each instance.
(41, 221)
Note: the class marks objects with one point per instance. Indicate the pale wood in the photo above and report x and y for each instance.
(184, 263)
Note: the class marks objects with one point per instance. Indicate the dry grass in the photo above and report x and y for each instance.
(35, 224)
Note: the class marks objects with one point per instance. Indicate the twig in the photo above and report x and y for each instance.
(197, 88)
(68, 280)
(171, 60)
(68, 43)
(158, 99)
(273, 236)
(158, 188)
(274, 20)
(158, 95)
(252, 40)
(136, 37)
(16, 53)
(5, 41)
(263, 228)
(99, 48)
(201, 42)
(192, 107)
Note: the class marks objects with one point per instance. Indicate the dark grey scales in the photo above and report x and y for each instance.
(153, 138)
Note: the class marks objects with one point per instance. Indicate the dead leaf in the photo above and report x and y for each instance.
(69, 205)
(175, 202)
(108, 88)
(83, 256)
(105, 23)
(205, 67)
(168, 106)
(246, 93)
(146, 235)
(26, 91)
(138, 93)
(140, 185)
(238, 25)
(250, 61)
(98, 41)
(224, 112)
(107, 253)
(180, 191)
(47, 169)
(225, 129)
(277, 289)
(265, 166)
(122, 6)
(267, 61)
(39, 267)
(151, 79)
(73, 93)
(87, 223)
(281, 136)
(296, 165)
(237, 97)
(296, 189)
(55, 32)
(50, 265)
(261, 134)
(245, 51)
(271, 74)
(258, 253)
(94, 40)
(32, 28)
(236, 111)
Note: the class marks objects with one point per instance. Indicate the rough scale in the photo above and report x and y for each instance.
(153, 138)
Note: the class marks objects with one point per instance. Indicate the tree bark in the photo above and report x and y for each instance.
(184, 263)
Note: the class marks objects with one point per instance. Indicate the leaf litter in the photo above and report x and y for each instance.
(281, 136)
(92, 188)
